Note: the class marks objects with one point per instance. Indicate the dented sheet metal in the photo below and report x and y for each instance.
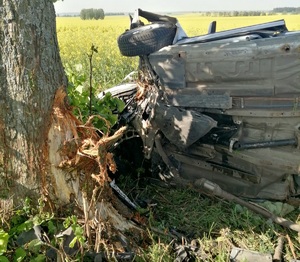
(226, 108)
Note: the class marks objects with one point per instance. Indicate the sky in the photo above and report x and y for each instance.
(108, 6)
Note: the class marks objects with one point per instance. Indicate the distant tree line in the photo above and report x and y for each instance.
(235, 13)
(285, 10)
(281, 10)
(91, 13)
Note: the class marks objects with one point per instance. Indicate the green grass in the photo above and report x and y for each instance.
(183, 215)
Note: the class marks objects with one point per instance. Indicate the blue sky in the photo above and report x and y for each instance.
(172, 5)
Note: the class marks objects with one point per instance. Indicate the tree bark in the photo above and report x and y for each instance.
(31, 73)
(44, 150)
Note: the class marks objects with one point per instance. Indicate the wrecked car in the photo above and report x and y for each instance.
(224, 106)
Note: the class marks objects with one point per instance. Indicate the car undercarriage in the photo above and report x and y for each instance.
(221, 107)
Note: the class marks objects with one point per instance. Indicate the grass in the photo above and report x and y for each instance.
(180, 217)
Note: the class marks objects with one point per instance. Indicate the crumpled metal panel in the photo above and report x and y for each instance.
(182, 127)
(261, 67)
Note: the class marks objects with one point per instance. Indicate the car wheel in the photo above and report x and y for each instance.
(146, 39)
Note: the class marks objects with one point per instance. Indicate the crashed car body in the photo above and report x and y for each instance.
(222, 106)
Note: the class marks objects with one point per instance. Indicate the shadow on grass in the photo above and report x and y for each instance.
(183, 217)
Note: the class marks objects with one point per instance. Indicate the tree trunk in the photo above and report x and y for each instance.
(39, 136)
(31, 72)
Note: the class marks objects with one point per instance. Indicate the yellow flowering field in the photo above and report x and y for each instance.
(194, 24)
(76, 37)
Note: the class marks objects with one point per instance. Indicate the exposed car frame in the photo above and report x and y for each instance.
(222, 106)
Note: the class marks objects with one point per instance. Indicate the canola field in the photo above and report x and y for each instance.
(76, 36)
